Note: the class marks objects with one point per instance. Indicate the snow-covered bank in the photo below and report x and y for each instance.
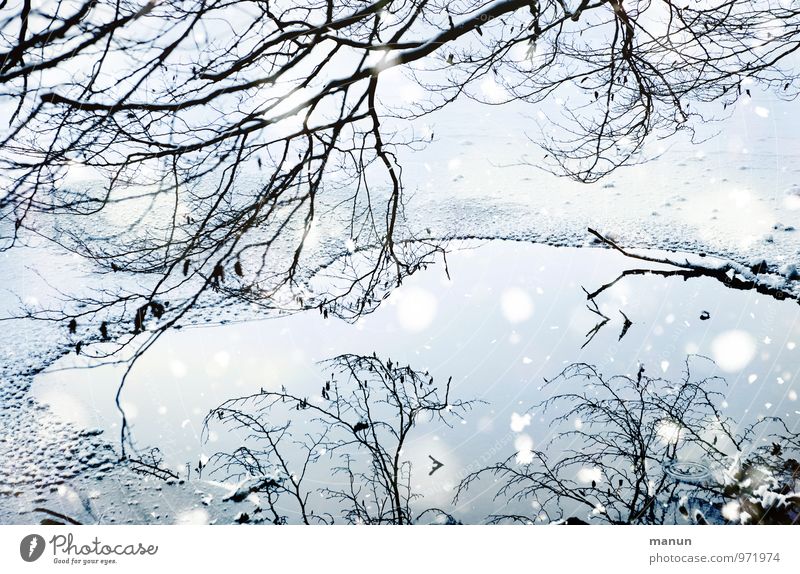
(735, 194)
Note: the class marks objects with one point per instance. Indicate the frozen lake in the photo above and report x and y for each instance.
(511, 315)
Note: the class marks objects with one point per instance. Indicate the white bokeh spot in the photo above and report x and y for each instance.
(733, 350)
(516, 305)
(416, 309)
(524, 446)
(519, 422)
(589, 474)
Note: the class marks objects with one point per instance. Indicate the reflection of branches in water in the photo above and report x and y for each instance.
(623, 450)
(356, 288)
(727, 274)
(592, 306)
(625, 326)
(364, 417)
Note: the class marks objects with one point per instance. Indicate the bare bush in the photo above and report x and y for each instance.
(645, 450)
(342, 449)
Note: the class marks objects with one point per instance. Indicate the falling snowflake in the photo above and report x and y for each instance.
(519, 422)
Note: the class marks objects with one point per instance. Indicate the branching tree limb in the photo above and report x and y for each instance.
(358, 425)
(644, 450)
